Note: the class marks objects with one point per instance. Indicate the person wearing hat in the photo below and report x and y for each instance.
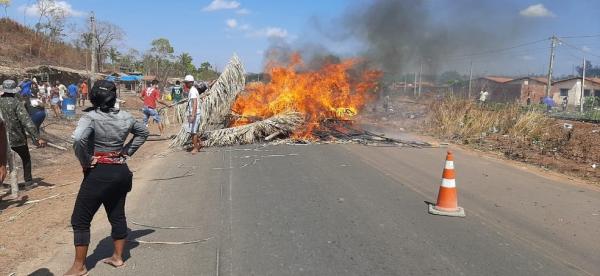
(193, 127)
(102, 150)
(19, 125)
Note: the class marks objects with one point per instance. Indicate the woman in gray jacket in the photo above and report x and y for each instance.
(100, 145)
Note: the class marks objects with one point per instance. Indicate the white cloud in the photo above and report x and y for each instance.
(243, 11)
(586, 49)
(245, 27)
(276, 32)
(537, 10)
(33, 10)
(216, 5)
(231, 23)
(269, 32)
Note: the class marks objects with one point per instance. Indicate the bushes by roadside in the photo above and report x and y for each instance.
(526, 135)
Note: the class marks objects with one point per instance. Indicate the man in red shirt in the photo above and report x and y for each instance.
(83, 93)
(151, 96)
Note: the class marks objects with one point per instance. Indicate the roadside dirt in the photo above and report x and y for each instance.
(29, 231)
(572, 148)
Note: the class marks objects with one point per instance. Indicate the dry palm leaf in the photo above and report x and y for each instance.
(280, 124)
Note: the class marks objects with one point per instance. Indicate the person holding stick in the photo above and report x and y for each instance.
(101, 147)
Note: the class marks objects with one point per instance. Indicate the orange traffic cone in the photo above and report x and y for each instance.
(447, 201)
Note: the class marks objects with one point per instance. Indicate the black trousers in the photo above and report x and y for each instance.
(106, 185)
(23, 152)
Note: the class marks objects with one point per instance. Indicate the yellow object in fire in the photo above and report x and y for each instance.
(342, 112)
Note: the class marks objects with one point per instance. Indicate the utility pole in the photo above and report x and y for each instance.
(405, 80)
(470, 80)
(94, 49)
(415, 86)
(420, 78)
(582, 98)
(551, 65)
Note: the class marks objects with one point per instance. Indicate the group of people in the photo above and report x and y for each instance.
(191, 91)
(53, 94)
(101, 146)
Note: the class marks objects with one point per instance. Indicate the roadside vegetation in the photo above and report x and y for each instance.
(527, 135)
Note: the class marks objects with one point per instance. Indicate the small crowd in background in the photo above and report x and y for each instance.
(191, 91)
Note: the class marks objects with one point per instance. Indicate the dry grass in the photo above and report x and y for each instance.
(465, 121)
(20, 46)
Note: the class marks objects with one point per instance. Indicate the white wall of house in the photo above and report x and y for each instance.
(573, 89)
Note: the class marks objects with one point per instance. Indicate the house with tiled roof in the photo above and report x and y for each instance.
(570, 88)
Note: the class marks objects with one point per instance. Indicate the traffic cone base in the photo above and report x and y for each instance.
(459, 212)
(447, 201)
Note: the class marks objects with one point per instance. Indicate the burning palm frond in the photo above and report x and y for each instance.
(280, 124)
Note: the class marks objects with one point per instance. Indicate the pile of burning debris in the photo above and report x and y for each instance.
(298, 107)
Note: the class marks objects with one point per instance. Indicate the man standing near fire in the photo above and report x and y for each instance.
(194, 114)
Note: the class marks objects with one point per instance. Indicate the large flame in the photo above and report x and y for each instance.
(336, 90)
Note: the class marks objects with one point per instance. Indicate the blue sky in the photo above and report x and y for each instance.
(211, 30)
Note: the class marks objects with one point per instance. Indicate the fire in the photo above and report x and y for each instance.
(335, 90)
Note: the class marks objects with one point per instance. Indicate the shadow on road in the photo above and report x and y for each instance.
(41, 272)
(105, 248)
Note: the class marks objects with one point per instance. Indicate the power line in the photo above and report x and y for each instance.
(579, 36)
(500, 49)
(495, 55)
(579, 49)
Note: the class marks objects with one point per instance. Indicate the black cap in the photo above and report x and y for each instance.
(104, 85)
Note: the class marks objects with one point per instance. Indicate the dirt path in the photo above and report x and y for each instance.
(32, 231)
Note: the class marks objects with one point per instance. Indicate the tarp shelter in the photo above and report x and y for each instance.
(130, 78)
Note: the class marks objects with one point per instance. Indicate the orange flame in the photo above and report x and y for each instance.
(335, 90)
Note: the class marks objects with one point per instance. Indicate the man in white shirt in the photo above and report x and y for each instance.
(62, 90)
(483, 96)
(194, 113)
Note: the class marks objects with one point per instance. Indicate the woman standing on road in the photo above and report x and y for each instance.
(55, 100)
(101, 149)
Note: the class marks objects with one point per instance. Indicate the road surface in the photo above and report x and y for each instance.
(348, 210)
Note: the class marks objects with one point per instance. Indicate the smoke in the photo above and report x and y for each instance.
(314, 55)
(397, 36)
(401, 34)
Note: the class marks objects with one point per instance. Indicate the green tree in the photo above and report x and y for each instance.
(185, 62)
(206, 72)
(450, 78)
(161, 54)
(114, 56)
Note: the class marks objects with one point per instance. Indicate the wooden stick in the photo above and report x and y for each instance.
(56, 146)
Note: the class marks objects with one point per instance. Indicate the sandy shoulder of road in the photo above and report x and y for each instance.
(497, 156)
(34, 233)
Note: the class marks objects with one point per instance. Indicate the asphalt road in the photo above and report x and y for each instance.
(349, 210)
